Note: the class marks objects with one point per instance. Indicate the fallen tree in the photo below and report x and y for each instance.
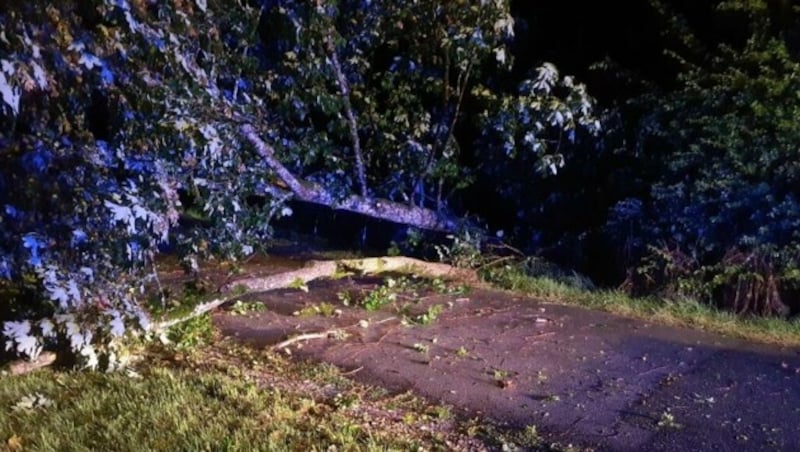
(383, 209)
(117, 114)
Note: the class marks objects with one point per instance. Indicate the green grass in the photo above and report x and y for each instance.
(170, 410)
(689, 313)
(227, 397)
(205, 399)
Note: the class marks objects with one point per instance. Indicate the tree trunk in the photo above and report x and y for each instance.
(376, 208)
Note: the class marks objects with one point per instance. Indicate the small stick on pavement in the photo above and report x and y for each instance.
(306, 337)
(350, 372)
(335, 333)
(648, 371)
(540, 335)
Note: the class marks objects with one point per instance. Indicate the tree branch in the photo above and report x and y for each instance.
(319, 269)
(24, 366)
(444, 139)
(267, 152)
(376, 208)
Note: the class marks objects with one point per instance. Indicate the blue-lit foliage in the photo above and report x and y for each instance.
(111, 109)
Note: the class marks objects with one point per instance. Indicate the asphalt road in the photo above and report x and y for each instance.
(583, 377)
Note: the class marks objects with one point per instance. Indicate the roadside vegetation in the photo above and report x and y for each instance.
(684, 311)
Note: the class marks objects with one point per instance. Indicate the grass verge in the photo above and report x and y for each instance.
(688, 313)
(222, 395)
(209, 399)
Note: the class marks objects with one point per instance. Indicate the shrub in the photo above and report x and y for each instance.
(726, 191)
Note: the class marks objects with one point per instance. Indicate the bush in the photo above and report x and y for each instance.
(727, 187)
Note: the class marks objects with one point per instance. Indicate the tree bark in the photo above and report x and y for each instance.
(376, 208)
(322, 269)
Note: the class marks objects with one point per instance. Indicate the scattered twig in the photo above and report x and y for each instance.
(648, 371)
(571, 427)
(332, 333)
(388, 319)
(308, 337)
(506, 246)
(383, 336)
(351, 372)
(540, 335)
(497, 261)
